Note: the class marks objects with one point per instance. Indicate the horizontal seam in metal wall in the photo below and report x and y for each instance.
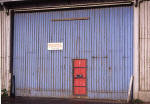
(87, 5)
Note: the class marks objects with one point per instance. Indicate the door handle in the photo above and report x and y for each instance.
(79, 76)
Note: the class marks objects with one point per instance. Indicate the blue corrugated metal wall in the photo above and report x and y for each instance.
(105, 40)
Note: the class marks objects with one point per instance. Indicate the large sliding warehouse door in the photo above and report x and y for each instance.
(46, 43)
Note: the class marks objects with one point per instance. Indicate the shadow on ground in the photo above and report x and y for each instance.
(30, 100)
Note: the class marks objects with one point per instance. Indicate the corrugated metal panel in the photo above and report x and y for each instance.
(145, 46)
(105, 40)
(4, 50)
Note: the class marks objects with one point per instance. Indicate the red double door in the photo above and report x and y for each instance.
(80, 77)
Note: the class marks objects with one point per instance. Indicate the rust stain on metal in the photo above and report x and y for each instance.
(37, 89)
(99, 57)
(71, 19)
(108, 91)
(110, 68)
(105, 57)
(95, 57)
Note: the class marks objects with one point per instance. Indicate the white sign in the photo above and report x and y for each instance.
(55, 46)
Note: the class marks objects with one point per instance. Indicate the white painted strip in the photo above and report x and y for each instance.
(130, 89)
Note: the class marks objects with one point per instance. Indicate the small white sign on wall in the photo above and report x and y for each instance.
(55, 46)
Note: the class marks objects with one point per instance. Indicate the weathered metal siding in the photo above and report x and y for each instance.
(145, 46)
(105, 40)
(5, 50)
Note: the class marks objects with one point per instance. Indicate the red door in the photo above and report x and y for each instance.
(79, 77)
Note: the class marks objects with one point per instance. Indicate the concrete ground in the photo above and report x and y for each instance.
(31, 100)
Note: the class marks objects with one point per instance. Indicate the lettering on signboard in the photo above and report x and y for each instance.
(55, 46)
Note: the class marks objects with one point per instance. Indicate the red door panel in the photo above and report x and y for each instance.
(79, 77)
(80, 82)
(80, 63)
(80, 90)
(80, 71)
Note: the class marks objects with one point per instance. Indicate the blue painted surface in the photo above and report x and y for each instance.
(105, 40)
